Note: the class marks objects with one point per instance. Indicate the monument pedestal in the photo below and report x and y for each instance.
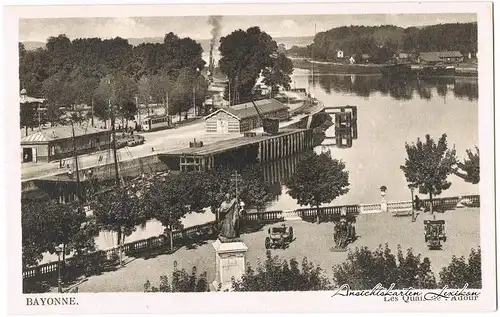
(229, 263)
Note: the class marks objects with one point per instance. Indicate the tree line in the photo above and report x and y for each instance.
(111, 71)
(362, 270)
(382, 42)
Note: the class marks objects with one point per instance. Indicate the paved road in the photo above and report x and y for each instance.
(312, 241)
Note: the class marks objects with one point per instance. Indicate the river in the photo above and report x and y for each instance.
(391, 113)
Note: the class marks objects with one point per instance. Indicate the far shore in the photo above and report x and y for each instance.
(370, 68)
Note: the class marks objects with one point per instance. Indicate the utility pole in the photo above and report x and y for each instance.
(138, 109)
(236, 179)
(113, 134)
(78, 194)
(166, 109)
(92, 111)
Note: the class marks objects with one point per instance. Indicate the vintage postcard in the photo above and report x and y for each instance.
(250, 158)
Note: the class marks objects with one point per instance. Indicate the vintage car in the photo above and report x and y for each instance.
(434, 234)
(279, 237)
(344, 233)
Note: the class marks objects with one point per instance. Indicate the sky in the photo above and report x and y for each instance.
(197, 27)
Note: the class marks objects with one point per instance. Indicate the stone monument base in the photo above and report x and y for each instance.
(229, 263)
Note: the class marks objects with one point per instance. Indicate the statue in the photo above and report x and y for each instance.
(230, 228)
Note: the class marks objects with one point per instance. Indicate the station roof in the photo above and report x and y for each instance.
(247, 110)
(225, 145)
(58, 133)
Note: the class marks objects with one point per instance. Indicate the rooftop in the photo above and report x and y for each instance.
(227, 144)
(247, 110)
(59, 132)
(439, 56)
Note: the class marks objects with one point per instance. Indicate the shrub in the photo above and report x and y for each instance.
(460, 271)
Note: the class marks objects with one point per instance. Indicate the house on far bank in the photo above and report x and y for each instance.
(433, 58)
(365, 58)
(403, 57)
(352, 60)
(244, 117)
(340, 54)
(57, 143)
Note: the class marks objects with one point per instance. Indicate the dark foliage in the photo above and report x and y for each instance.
(364, 269)
(181, 281)
(469, 169)
(428, 165)
(461, 271)
(276, 275)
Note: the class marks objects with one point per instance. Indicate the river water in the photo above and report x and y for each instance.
(389, 114)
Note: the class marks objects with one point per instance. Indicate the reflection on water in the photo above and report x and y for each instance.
(399, 89)
(389, 114)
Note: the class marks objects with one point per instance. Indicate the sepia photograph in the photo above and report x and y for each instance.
(227, 151)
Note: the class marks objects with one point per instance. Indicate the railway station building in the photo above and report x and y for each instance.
(56, 143)
(244, 117)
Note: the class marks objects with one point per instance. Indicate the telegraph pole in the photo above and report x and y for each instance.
(113, 133)
(236, 179)
(76, 162)
(92, 110)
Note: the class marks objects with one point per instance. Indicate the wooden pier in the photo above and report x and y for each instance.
(240, 151)
(346, 125)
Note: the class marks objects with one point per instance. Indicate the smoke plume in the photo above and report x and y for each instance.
(216, 22)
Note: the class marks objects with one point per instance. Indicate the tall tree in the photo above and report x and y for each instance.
(318, 179)
(469, 169)
(428, 165)
(244, 55)
(278, 75)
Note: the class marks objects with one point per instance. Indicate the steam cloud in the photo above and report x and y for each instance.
(216, 23)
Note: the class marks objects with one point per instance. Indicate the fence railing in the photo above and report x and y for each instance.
(181, 237)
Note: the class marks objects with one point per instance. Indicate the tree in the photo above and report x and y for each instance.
(66, 222)
(278, 74)
(364, 269)
(167, 201)
(35, 237)
(120, 210)
(276, 275)
(102, 99)
(318, 179)
(460, 271)
(181, 282)
(244, 55)
(470, 167)
(27, 113)
(428, 165)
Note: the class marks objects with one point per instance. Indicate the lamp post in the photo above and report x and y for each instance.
(59, 282)
(412, 188)
(383, 204)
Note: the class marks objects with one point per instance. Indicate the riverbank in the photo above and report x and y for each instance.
(469, 70)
